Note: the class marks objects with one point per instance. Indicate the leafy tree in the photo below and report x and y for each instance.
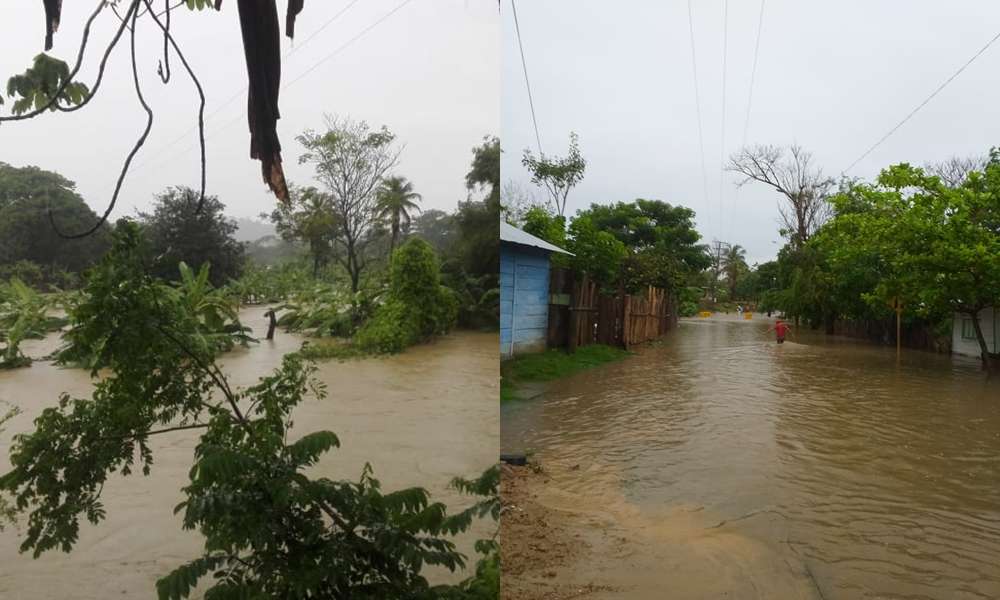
(661, 238)
(557, 175)
(177, 233)
(351, 160)
(395, 203)
(541, 223)
(308, 217)
(485, 171)
(270, 530)
(940, 244)
(597, 253)
(417, 306)
(29, 197)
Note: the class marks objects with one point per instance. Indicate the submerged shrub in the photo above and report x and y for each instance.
(417, 306)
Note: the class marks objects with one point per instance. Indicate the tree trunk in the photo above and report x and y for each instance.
(983, 348)
(272, 323)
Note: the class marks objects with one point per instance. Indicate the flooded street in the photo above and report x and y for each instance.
(420, 418)
(716, 463)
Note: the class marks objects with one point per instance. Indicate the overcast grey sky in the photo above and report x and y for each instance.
(831, 76)
(430, 72)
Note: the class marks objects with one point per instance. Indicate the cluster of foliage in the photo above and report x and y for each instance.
(24, 314)
(270, 530)
(7, 512)
(360, 214)
(211, 312)
(416, 307)
(557, 175)
(177, 232)
(267, 284)
(322, 309)
(639, 243)
(929, 243)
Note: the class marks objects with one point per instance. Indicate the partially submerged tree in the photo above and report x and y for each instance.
(351, 160)
(557, 175)
(396, 202)
(792, 174)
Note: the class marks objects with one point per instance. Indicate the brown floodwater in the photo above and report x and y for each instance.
(420, 418)
(818, 468)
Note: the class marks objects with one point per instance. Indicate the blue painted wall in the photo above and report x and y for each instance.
(524, 299)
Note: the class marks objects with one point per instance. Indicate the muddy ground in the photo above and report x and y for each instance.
(557, 547)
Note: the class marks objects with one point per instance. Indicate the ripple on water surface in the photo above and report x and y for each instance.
(884, 474)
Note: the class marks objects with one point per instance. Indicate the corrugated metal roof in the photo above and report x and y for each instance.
(509, 233)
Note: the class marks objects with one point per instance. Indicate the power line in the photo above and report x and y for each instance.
(527, 84)
(238, 117)
(243, 90)
(922, 104)
(722, 142)
(746, 121)
(697, 104)
(753, 72)
(349, 42)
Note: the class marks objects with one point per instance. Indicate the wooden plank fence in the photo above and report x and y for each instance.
(580, 314)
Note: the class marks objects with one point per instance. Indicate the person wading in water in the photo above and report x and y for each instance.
(780, 329)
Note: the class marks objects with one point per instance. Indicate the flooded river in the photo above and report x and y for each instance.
(420, 418)
(819, 468)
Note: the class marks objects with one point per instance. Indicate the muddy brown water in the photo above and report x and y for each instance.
(819, 468)
(420, 418)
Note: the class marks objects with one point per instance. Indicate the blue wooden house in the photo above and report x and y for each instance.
(524, 291)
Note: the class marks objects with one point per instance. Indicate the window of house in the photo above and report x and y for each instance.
(968, 331)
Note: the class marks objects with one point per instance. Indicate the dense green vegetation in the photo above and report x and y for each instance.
(30, 248)
(929, 242)
(261, 516)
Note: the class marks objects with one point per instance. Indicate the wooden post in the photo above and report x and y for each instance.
(626, 317)
(899, 310)
(574, 318)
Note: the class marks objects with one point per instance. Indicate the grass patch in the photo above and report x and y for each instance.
(327, 348)
(554, 364)
(506, 391)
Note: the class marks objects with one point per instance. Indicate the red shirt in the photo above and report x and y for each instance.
(780, 329)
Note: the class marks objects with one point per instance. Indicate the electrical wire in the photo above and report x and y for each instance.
(697, 105)
(527, 84)
(922, 104)
(722, 141)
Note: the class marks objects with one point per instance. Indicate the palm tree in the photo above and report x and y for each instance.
(396, 200)
(734, 264)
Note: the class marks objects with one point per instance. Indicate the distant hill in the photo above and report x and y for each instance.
(251, 230)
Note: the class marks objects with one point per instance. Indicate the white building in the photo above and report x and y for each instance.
(963, 335)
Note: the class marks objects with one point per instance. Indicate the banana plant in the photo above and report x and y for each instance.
(24, 314)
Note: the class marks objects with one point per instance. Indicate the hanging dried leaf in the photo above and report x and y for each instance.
(53, 10)
(294, 8)
(261, 45)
